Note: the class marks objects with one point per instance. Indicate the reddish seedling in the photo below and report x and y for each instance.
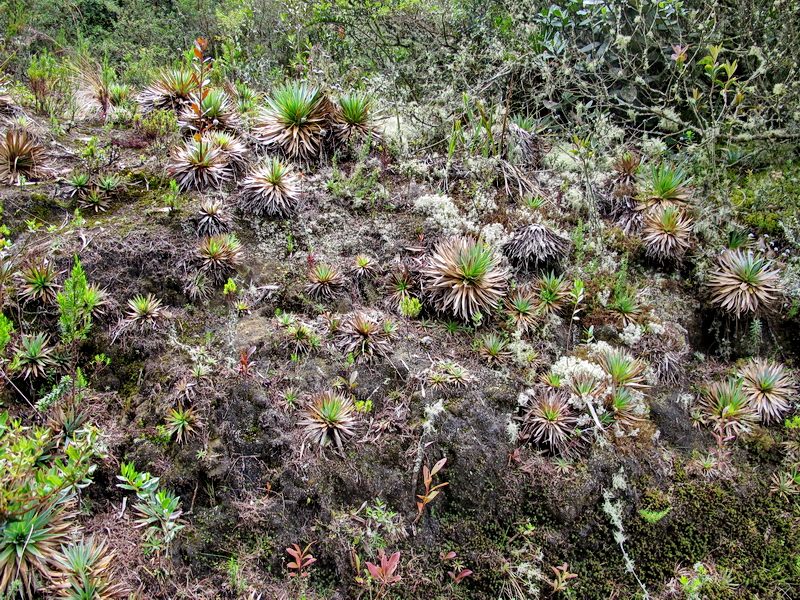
(302, 560)
(430, 492)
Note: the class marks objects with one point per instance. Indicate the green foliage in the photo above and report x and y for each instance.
(158, 509)
(30, 545)
(159, 124)
(410, 307)
(34, 357)
(769, 201)
(6, 329)
(362, 188)
(229, 289)
(75, 303)
(67, 387)
(35, 475)
(50, 82)
(654, 516)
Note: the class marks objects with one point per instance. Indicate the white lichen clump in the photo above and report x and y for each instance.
(443, 213)
(522, 352)
(431, 412)
(512, 430)
(495, 235)
(631, 334)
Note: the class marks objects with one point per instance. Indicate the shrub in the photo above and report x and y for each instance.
(38, 481)
(363, 337)
(329, 419)
(666, 233)
(272, 189)
(294, 121)
(536, 246)
(463, 277)
(768, 388)
(550, 421)
(744, 283)
(20, 156)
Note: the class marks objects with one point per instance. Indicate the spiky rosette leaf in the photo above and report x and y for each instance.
(324, 281)
(220, 255)
(552, 291)
(329, 419)
(463, 277)
(38, 280)
(93, 199)
(400, 284)
(272, 189)
(665, 184)
(363, 337)
(494, 348)
(144, 312)
(666, 232)
(363, 266)
(212, 218)
(550, 421)
(232, 148)
(625, 168)
(522, 308)
(768, 387)
(118, 93)
(295, 121)
(84, 567)
(170, 90)
(624, 369)
(352, 118)
(216, 111)
(30, 548)
(34, 357)
(20, 156)
(744, 283)
(728, 407)
(622, 405)
(198, 165)
(535, 246)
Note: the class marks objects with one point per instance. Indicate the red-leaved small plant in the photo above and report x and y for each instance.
(385, 572)
(458, 574)
(562, 577)
(245, 364)
(302, 560)
(430, 492)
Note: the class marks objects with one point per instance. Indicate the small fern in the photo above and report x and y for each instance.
(654, 516)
